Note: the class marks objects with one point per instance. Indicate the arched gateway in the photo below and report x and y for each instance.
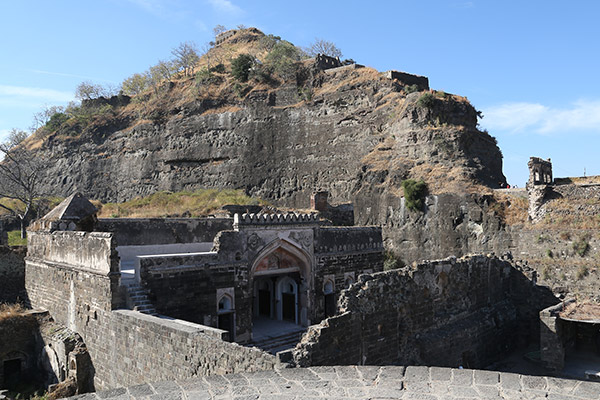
(280, 275)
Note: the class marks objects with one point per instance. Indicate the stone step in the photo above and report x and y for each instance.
(279, 343)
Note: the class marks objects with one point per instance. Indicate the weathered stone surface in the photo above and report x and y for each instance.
(449, 312)
(316, 383)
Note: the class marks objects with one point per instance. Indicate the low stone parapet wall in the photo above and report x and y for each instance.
(363, 383)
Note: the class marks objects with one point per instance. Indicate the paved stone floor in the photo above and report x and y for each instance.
(361, 383)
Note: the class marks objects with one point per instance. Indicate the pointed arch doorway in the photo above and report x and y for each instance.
(280, 274)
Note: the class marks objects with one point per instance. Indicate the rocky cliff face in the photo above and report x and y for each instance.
(358, 126)
(352, 131)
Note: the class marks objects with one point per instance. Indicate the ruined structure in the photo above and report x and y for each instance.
(223, 36)
(228, 274)
(453, 312)
(34, 349)
(571, 330)
(324, 62)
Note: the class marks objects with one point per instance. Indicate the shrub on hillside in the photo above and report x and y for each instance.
(241, 65)
(427, 100)
(414, 194)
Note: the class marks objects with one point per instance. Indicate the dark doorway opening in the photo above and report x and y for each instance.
(288, 306)
(264, 302)
(329, 304)
(226, 323)
(12, 372)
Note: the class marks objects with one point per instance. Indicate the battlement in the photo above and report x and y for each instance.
(272, 219)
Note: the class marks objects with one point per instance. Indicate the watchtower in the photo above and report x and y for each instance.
(540, 171)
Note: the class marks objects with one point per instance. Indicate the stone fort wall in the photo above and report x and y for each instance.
(148, 231)
(82, 291)
(446, 313)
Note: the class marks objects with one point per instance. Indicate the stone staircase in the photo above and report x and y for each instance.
(139, 299)
(279, 343)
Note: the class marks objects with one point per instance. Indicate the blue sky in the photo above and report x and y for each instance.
(530, 66)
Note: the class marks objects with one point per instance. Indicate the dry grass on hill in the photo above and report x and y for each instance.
(9, 311)
(166, 204)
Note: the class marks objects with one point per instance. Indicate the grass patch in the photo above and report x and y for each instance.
(582, 245)
(14, 239)
(180, 204)
(8, 311)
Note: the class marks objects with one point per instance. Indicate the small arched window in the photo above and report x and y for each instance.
(348, 282)
(225, 304)
(328, 287)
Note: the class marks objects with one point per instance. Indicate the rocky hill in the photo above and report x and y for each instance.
(279, 138)
(288, 131)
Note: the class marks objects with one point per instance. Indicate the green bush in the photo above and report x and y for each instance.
(219, 68)
(56, 121)
(411, 88)
(414, 194)
(240, 67)
(390, 261)
(282, 58)
(427, 100)
(14, 239)
(582, 272)
(549, 253)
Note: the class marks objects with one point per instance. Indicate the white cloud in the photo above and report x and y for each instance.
(225, 6)
(20, 93)
(583, 116)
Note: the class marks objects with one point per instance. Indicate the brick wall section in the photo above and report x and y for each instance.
(552, 349)
(448, 313)
(12, 274)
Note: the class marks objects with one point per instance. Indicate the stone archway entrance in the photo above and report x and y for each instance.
(280, 277)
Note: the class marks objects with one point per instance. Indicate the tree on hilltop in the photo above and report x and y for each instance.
(186, 57)
(88, 90)
(19, 177)
(325, 47)
(217, 30)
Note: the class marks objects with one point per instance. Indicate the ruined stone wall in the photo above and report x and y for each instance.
(148, 231)
(448, 313)
(48, 352)
(342, 255)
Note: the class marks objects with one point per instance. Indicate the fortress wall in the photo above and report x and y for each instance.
(148, 231)
(126, 347)
(447, 313)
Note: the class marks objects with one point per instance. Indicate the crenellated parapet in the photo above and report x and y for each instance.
(275, 219)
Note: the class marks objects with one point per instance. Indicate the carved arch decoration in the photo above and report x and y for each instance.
(272, 259)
